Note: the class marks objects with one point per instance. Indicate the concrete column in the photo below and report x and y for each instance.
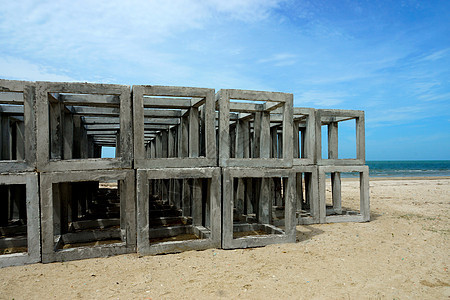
(265, 135)
(207, 203)
(280, 145)
(183, 140)
(193, 132)
(56, 209)
(76, 151)
(304, 145)
(265, 203)
(20, 141)
(336, 176)
(172, 142)
(5, 138)
(257, 135)
(240, 196)
(186, 198)
(56, 129)
(153, 148)
(243, 139)
(66, 208)
(296, 140)
(299, 190)
(164, 143)
(159, 147)
(118, 145)
(233, 142)
(68, 136)
(4, 195)
(197, 202)
(274, 142)
(249, 201)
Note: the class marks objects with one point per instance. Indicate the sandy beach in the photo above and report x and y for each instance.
(403, 253)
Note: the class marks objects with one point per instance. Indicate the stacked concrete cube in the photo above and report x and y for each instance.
(191, 169)
(178, 181)
(87, 202)
(256, 157)
(334, 166)
(19, 187)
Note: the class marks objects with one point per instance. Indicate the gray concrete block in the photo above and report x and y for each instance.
(17, 104)
(82, 100)
(304, 136)
(33, 238)
(273, 234)
(332, 118)
(50, 216)
(194, 138)
(275, 111)
(363, 215)
(206, 217)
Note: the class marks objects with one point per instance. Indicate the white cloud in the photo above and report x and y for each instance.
(95, 37)
(19, 69)
(437, 55)
(280, 59)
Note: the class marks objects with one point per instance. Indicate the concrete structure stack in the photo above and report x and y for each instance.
(87, 202)
(19, 185)
(256, 156)
(178, 181)
(90, 170)
(332, 208)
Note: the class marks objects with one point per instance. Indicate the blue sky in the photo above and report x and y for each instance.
(389, 58)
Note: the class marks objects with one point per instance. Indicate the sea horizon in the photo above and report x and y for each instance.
(408, 168)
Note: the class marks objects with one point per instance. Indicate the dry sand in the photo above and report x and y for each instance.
(403, 253)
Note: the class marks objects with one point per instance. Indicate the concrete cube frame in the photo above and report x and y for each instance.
(143, 176)
(127, 215)
(33, 255)
(332, 117)
(289, 236)
(364, 211)
(223, 98)
(307, 118)
(29, 100)
(192, 159)
(312, 194)
(123, 98)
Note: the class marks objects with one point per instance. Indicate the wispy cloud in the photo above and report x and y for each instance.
(436, 55)
(280, 59)
(20, 69)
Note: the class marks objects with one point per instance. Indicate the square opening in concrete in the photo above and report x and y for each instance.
(307, 197)
(13, 219)
(87, 214)
(255, 128)
(344, 194)
(258, 207)
(80, 128)
(174, 127)
(19, 219)
(180, 212)
(76, 121)
(17, 126)
(304, 136)
(340, 137)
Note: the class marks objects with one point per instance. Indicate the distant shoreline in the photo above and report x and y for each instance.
(387, 178)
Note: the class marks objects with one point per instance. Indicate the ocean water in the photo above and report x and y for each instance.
(409, 168)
